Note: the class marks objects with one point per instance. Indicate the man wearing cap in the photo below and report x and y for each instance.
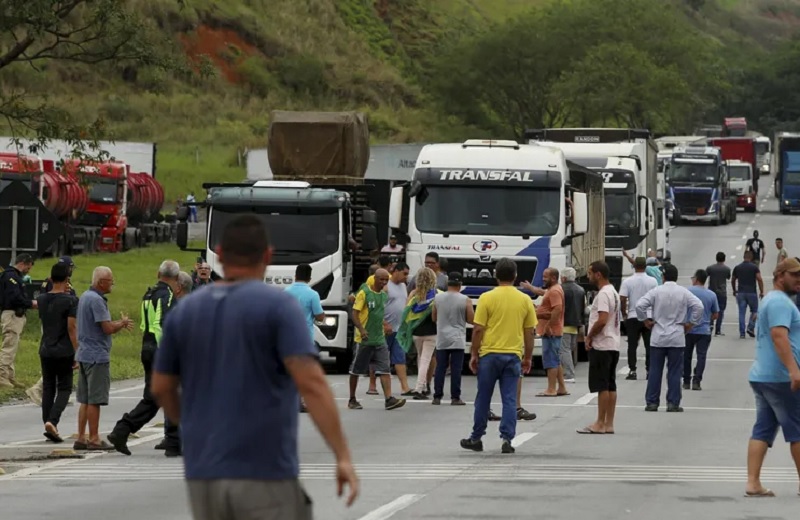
(775, 375)
(12, 316)
(35, 392)
(393, 247)
(630, 291)
(699, 338)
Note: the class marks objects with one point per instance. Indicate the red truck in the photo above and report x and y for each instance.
(740, 149)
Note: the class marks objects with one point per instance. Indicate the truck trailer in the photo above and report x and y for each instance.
(786, 167)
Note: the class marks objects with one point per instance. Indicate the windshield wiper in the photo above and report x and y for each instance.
(306, 251)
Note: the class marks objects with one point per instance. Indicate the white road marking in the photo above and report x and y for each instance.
(522, 438)
(739, 248)
(744, 236)
(128, 389)
(586, 399)
(623, 371)
(64, 445)
(389, 510)
(732, 257)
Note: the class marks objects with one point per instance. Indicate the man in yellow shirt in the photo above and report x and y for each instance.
(502, 350)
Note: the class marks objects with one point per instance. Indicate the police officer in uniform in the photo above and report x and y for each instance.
(35, 392)
(12, 316)
(156, 303)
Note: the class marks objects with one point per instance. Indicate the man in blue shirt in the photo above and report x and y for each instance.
(700, 335)
(309, 302)
(239, 375)
(775, 374)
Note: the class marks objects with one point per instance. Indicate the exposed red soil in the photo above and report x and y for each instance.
(220, 45)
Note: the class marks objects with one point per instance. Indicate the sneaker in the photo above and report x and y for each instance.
(674, 408)
(173, 452)
(751, 333)
(420, 396)
(651, 408)
(436, 401)
(393, 403)
(354, 405)
(457, 402)
(507, 447)
(685, 386)
(631, 376)
(525, 415)
(741, 336)
(472, 444)
(493, 416)
(719, 334)
(696, 386)
(161, 445)
(120, 442)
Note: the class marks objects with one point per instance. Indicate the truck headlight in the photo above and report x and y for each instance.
(765, 168)
(330, 320)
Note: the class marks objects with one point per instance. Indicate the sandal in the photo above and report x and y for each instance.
(542, 394)
(51, 433)
(589, 431)
(764, 493)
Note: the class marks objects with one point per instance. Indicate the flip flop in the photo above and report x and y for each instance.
(372, 392)
(542, 394)
(588, 431)
(562, 395)
(610, 433)
(764, 493)
(52, 434)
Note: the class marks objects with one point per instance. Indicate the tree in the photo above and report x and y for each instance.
(37, 33)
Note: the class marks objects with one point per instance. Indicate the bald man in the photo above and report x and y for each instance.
(370, 338)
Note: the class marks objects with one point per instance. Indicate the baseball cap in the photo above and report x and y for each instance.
(790, 265)
(639, 262)
(66, 260)
(393, 237)
(454, 278)
(652, 261)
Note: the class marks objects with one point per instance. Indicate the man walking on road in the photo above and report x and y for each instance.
(670, 304)
(95, 329)
(238, 411)
(746, 276)
(395, 304)
(574, 305)
(699, 338)
(602, 342)
(156, 303)
(550, 327)
(15, 304)
(775, 375)
(631, 289)
(502, 350)
(756, 246)
(782, 253)
(451, 312)
(718, 276)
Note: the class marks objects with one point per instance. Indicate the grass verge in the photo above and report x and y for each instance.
(133, 272)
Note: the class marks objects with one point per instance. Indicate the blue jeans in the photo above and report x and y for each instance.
(673, 357)
(454, 358)
(551, 347)
(701, 342)
(722, 299)
(397, 356)
(505, 369)
(776, 405)
(745, 300)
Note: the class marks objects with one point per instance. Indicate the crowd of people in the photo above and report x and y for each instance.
(268, 334)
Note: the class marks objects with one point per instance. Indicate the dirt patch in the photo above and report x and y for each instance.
(226, 49)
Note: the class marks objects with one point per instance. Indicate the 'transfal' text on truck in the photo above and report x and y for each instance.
(316, 206)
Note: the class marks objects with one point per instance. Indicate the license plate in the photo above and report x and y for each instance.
(701, 211)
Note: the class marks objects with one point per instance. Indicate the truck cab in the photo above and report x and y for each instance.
(763, 154)
(698, 186)
(740, 182)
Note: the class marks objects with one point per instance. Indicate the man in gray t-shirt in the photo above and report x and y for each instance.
(718, 276)
(451, 312)
(395, 305)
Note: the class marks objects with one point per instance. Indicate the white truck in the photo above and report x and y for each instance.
(478, 201)
(627, 160)
(741, 182)
(314, 209)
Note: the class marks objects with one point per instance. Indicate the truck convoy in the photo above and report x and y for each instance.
(103, 206)
(786, 168)
(478, 201)
(315, 206)
(627, 161)
(740, 182)
(698, 186)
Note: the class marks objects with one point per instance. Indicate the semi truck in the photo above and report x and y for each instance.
(786, 168)
(481, 200)
(740, 182)
(104, 206)
(315, 207)
(763, 154)
(738, 149)
(734, 127)
(627, 161)
(698, 186)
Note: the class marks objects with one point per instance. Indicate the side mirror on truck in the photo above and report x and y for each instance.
(182, 234)
(369, 238)
(369, 217)
(396, 208)
(580, 213)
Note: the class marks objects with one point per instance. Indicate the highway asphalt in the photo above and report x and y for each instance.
(656, 465)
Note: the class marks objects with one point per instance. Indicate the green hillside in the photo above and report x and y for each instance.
(379, 56)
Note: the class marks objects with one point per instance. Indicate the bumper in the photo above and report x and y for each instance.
(701, 218)
(790, 204)
(332, 335)
(746, 201)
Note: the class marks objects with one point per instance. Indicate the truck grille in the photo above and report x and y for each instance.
(481, 274)
(690, 202)
(615, 267)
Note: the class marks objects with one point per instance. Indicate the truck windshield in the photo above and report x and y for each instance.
(295, 237)
(482, 210)
(762, 148)
(693, 173)
(103, 191)
(739, 173)
(620, 212)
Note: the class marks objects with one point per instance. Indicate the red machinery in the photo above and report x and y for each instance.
(145, 197)
(62, 194)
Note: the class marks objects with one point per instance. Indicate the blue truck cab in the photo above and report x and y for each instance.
(697, 186)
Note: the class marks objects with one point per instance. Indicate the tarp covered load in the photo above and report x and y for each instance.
(318, 144)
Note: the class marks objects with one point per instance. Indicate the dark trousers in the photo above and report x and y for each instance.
(673, 358)
(454, 358)
(635, 330)
(701, 342)
(56, 387)
(722, 299)
(146, 410)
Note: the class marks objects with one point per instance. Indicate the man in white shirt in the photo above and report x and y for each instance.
(602, 342)
(670, 305)
(630, 291)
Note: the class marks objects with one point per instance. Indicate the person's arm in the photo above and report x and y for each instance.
(555, 313)
(358, 306)
(538, 291)
(714, 309)
(470, 310)
(696, 311)
(72, 329)
(316, 307)
(644, 304)
(760, 283)
(18, 299)
(529, 328)
(783, 348)
(479, 321)
(763, 252)
(623, 305)
(734, 280)
(101, 315)
(628, 256)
